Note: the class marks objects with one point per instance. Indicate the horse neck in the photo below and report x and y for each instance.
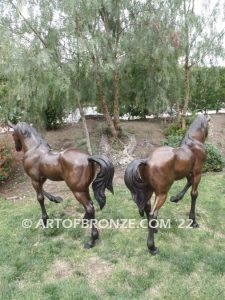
(199, 137)
(29, 143)
(196, 138)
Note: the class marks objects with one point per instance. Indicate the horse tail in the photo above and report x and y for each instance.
(138, 188)
(103, 179)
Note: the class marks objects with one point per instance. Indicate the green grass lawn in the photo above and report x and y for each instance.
(51, 263)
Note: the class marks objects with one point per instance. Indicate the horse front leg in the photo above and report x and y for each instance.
(40, 197)
(85, 199)
(194, 194)
(52, 198)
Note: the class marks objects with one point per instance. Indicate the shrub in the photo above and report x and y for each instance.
(6, 162)
(102, 128)
(214, 162)
(173, 141)
(174, 129)
(53, 115)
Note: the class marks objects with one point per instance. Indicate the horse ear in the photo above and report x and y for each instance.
(10, 124)
(208, 117)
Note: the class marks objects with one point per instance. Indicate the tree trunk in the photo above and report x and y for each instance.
(178, 117)
(186, 92)
(116, 107)
(186, 64)
(86, 132)
(104, 105)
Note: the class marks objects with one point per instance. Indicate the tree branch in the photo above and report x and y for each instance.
(29, 25)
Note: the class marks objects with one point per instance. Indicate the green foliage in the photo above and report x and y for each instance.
(103, 129)
(174, 129)
(53, 115)
(207, 88)
(215, 161)
(6, 162)
(43, 59)
(190, 119)
(80, 143)
(173, 141)
(135, 110)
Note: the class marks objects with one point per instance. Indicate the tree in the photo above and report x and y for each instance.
(125, 56)
(207, 88)
(48, 88)
(200, 41)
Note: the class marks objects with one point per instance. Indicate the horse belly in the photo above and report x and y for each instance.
(183, 166)
(51, 169)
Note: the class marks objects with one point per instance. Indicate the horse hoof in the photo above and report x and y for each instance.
(45, 221)
(174, 199)
(154, 251)
(88, 245)
(195, 225)
(58, 199)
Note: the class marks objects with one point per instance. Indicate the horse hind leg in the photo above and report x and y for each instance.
(147, 209)
(85, 199)
(160, 199)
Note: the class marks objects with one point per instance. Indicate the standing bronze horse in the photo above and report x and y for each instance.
(165, 165)
(73, 166)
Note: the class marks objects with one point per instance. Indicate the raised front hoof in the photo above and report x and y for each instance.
(58, 199)
(174, 199)
(89, 245)
(154, 251)
(194, 225)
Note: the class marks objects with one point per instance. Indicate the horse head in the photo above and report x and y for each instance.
(206, 121)
(16, 136)
(198, 130)
(26, 137)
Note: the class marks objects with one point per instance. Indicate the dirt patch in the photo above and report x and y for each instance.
(97, 271)
(59, 270)
(217, 132)
(149, 134)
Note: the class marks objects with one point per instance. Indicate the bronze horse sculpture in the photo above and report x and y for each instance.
(165, 165)
(73, 166)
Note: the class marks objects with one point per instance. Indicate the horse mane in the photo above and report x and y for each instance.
(197, 124)
(26, 130)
